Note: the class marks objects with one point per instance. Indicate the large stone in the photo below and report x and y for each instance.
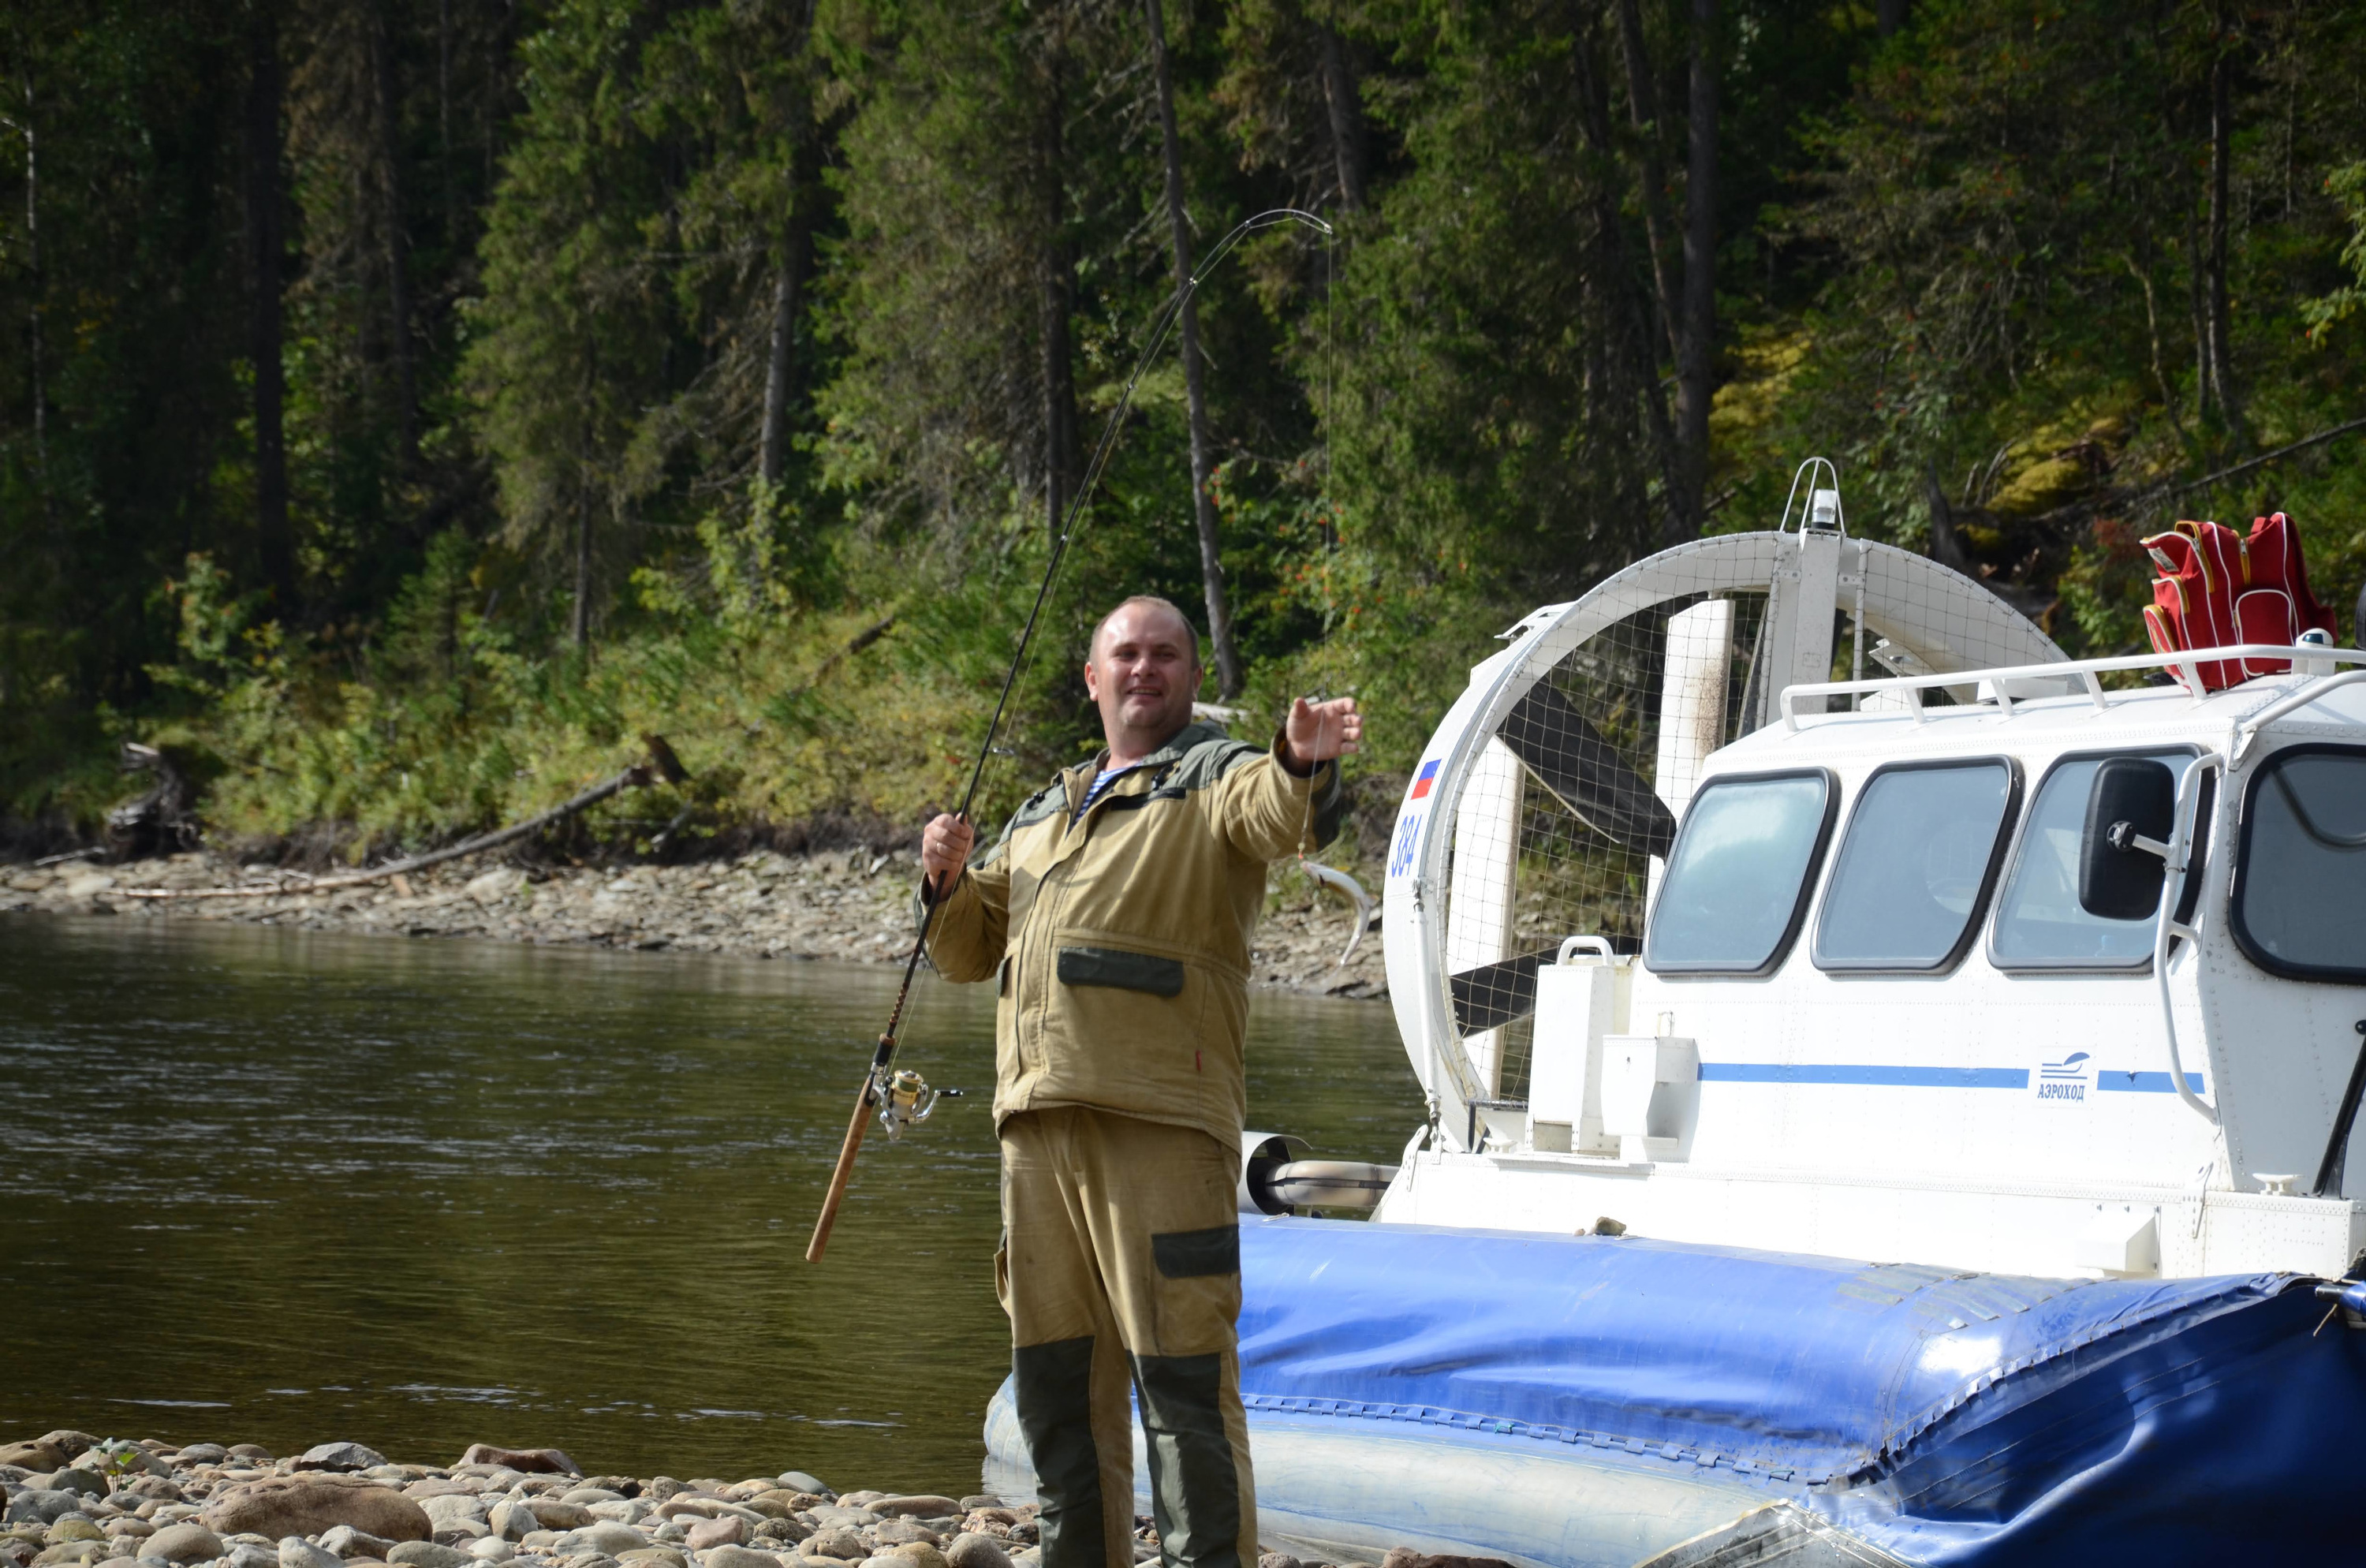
(68, 1552)
(295, 1552)
(798, 1481)
(426, 1554)
(919, 1554)
(74, 1526)
(346, 1542)
(37, 1456)
(555, 1515)
(183, 1543)
(40, 1504)
(896, 1532)
(493, 1549)
(529, 1461)
(513, 1520)
(201, 1453)
(340, 1456)
(842, 1544)
(251, 1554)
(282, 1506)
(971, 1550)
(68, 1441)
(922, 1506)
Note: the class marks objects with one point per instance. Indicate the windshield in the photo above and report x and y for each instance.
(2300, 898)
(2039, 924)
(1731, 899)
(1920, 846)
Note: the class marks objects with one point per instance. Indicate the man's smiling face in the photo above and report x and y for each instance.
(1142, 675)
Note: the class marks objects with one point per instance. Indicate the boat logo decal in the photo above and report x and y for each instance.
(1426, 780)
(2065, 1080)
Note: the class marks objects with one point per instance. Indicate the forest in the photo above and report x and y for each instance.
(405, 405)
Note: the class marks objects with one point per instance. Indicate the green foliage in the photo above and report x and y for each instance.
(730, 331)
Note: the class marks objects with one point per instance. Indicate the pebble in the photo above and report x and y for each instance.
(493, 1549)
(739, 1557)
(297, 1553)
(971, 1550)
(183, 1543)
(605, 1537)
(709, 1533)
(426, 1554)
(340, 1456)
(345, 1542)
(798, 1481)
(251, 1554)
(837, 1542)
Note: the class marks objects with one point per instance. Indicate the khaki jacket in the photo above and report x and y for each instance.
(1122, 941)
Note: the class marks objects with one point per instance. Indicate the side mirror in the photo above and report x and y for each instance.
(2133, 798)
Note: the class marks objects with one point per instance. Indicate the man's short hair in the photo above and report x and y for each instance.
(1093, 648)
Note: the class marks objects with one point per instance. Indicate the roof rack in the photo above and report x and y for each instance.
(2308, 658)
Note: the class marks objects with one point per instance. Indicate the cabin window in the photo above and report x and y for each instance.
(1738, 878)
(1915, 866)
(2039, 924)
(2300, 884)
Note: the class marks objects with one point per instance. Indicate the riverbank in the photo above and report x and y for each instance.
(76, 1499)
(849, 905)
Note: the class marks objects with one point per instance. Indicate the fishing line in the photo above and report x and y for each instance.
(879, 1079)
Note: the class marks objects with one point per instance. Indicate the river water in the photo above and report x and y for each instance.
(281, 1187)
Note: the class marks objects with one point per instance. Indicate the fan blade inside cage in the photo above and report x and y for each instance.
(1495, 994)
(1570, 758)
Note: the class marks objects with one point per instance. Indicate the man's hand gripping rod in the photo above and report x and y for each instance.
(880, 1081)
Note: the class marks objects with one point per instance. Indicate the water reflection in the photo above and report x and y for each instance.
(289, 1187)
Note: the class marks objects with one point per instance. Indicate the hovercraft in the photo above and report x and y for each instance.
(1898, 1119)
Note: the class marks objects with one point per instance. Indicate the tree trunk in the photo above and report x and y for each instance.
(788, 292)
(579, 631)
(398, 248)
(1643, 113)
(1627, 303)
(1698, 338)
(789, 278)
(1346, 106)
(266, 247)
(2218, 325)
(40, 388)
(1055, 300)
(1203, 505)
(1888, 17)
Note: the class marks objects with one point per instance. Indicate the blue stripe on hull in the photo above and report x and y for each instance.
(1877, 1077)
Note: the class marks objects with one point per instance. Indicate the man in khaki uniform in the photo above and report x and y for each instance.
(1115, 913)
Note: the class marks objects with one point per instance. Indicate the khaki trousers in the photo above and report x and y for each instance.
(1121, 1269)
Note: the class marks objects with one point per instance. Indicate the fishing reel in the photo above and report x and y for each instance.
(905, 1098)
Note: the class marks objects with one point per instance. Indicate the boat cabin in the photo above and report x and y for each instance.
(1982, 959)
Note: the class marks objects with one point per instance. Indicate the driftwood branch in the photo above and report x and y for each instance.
(2322, 436)
(638, 776)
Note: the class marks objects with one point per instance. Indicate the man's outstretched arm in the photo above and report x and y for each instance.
(1288, 801)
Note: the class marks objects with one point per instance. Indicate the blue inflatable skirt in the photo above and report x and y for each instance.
(1557, 1400)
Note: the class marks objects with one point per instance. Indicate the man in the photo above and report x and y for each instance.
(1115, 912)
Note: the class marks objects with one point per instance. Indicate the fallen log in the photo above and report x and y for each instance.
(640, 775)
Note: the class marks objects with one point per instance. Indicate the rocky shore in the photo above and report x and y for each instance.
(76, 1499)
(845, 904)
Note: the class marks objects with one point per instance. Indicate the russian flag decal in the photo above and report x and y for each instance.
(1423, 779)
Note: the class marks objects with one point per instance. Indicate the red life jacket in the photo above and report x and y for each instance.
(2218, 588)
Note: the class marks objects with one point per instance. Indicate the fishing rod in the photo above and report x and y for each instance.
(901, 1097)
